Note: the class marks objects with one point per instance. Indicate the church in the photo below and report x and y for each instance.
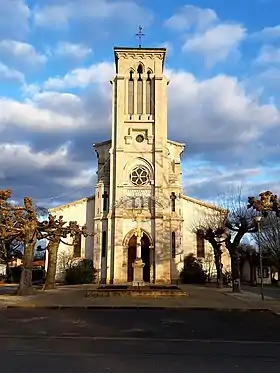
(141, 223)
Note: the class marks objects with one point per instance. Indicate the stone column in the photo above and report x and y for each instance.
(138, 264)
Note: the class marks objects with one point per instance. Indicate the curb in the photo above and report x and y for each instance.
(103, 307)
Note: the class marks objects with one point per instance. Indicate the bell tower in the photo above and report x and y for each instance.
(143, 171)
(139, 110)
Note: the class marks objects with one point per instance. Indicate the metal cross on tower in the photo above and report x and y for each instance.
(140, 35)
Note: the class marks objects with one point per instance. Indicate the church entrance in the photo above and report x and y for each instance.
(145, 255)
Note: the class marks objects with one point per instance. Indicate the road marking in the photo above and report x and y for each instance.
(137, 339)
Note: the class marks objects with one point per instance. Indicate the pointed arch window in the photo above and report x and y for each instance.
(149, 92)
(131, 93)
(140, 90)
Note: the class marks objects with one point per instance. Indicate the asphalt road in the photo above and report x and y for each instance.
(125, 341)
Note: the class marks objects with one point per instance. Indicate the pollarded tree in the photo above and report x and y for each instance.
(56, 230)
(231, 229)
(209, 226)
(267, 203)
(269, 239)
(240, 221)
(27, 223)
(21, 223)
(8, 234)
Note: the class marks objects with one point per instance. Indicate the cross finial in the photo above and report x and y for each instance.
(140, 35)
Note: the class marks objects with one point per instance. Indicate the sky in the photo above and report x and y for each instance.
(56, 61)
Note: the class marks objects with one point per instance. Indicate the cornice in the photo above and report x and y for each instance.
(141, 55)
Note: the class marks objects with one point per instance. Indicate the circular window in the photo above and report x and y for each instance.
(139, 138)
(139, 176)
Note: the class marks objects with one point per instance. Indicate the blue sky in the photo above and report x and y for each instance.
(56, 60)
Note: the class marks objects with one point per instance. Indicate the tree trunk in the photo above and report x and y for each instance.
(235, 270)
(218, 261)
(25, 285)
(52, 261)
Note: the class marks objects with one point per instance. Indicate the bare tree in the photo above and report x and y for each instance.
(230, 229)
(268, 206)
(16, 224)
(208, 226)
(55, 231)
(270, 239)
(27, 223)
(240, 221)
(21, 223)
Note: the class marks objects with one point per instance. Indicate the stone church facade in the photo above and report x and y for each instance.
(139, 216)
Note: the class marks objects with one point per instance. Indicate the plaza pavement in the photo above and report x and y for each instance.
(207, 297)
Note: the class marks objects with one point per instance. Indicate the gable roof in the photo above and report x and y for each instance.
(204, 204)
(77, 202)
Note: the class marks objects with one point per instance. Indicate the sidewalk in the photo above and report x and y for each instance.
(199, 297)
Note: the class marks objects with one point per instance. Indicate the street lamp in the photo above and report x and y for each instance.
(258, 220)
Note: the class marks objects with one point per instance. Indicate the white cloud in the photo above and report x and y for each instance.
(21, 155)
(21, 52)
(220, 108)
(8, 74)
(268, 33)
(83, 178)
(58, 16)
(21, 160)
(30, 89)
(207, 35)
(269, 77)
(82, 77)
(216, 43)
(14, 18)
(28, 116)
(219, 178)
(217, 117)
(77, 51)
(268, 55)
(60, 103)
(190, 16)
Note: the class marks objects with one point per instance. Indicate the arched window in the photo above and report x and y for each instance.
(77, 249)
(104, 243)
(140, 90)
(131, 94)
(200, 244)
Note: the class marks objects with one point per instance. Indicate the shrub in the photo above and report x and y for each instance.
(192, 272)
(226, 278)
(15, 273)
(81, 272)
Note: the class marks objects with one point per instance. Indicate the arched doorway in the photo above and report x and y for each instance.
(145, 255)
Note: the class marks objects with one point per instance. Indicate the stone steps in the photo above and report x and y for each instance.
(130, 291)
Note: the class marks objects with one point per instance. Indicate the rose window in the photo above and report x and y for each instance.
(139, 176)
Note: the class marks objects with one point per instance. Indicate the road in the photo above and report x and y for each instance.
(125, 341)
